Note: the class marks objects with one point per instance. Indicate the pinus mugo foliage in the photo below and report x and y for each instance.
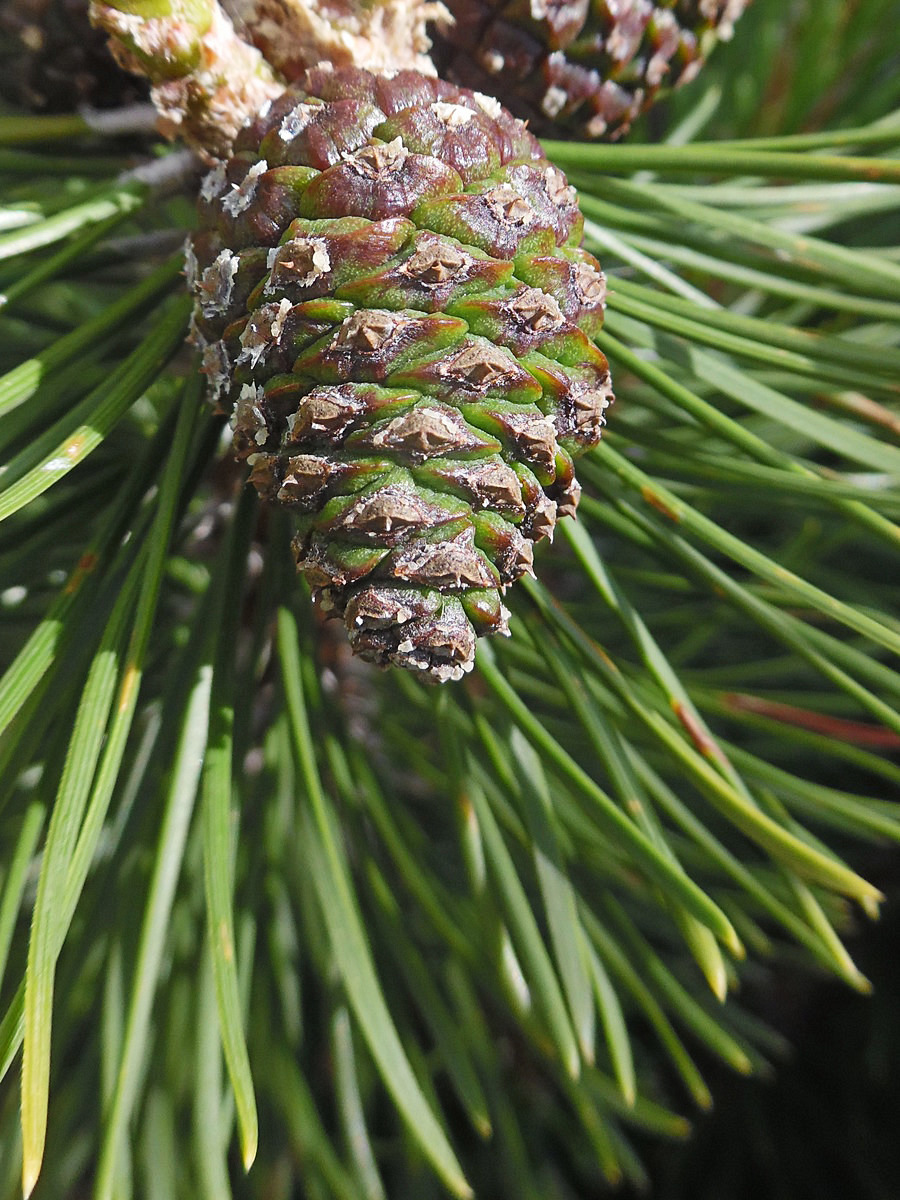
(263, 903)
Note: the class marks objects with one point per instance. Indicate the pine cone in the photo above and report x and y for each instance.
(54, 61)
(395, 311)
(586, 66)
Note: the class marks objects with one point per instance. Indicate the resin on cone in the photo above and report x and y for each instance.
(395, 310)
(585, 66)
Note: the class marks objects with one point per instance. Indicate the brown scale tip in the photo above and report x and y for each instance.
(396, 313)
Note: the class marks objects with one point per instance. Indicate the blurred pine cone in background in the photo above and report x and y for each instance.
(585, 66)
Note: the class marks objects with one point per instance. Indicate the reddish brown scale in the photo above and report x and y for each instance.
(526, 320)
(316, 260)
(434, 273)
(426, 431)
(332, 413)
(381, 180)
(576, 284)
(453, 133)
(394, 310)
(320, 135)
(498, 221)
(548, 192)
(488, 483)
(405, 89)
(375, 345)
(449, 562)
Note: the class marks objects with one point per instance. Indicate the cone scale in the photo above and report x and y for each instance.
(396, 313)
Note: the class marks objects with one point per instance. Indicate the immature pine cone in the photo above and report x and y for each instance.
(586, 66)
(395, 311)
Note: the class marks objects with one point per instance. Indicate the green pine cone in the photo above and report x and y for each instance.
(396, 313)
(586, 66)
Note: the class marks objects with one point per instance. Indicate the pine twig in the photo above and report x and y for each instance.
(206, 81)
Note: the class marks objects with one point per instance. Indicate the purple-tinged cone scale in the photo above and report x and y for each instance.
(395, 312)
